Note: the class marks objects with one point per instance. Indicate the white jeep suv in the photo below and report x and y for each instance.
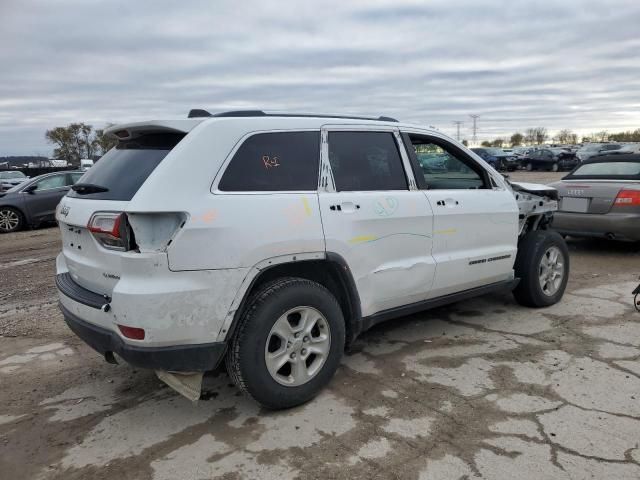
(273, 240)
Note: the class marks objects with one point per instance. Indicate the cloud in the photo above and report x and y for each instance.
(572, 64)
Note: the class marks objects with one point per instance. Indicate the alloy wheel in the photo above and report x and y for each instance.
(551, 271)
(297, 346)
(9, 220)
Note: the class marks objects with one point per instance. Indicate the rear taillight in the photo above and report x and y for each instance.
(110, 229)
(627, 198)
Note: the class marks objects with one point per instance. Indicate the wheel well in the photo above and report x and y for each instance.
(333, 275)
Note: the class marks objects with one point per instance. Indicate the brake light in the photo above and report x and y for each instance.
(133, 333)
(627, 198)
(109, 229)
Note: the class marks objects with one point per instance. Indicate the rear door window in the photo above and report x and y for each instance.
(278, 161)
(124, 168)
(365, 161)
(54, 181)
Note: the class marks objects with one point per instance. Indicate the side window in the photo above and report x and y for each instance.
(282, 161)
(443, 166)
(74, 177)
(55, 181)
(365, 161)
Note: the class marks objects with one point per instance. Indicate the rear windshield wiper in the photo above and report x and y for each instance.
(86, 188)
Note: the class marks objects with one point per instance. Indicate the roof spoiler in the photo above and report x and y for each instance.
(200, 113)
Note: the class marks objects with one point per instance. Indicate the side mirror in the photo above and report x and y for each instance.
(31, 188)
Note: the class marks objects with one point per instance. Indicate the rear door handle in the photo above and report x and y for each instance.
(347, 207)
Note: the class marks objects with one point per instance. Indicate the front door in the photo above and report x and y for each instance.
(475, 230)
(373, 219)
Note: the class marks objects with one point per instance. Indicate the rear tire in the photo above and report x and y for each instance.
(11, 220)
(542, 264)
(529, 167)
(286, 321)
(554, 167)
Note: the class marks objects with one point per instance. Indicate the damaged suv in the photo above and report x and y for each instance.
(271, 241)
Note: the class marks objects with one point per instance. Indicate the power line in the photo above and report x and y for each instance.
(475, 118)
(457, 123)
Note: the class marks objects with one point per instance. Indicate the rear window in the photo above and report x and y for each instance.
(282, 161)
(616, 170)
(123, 169)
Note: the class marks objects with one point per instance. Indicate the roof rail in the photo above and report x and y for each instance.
(197, 113)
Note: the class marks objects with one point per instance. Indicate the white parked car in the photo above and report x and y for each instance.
(273, 240)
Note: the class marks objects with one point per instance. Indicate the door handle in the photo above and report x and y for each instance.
(347, 207)
(448, 202)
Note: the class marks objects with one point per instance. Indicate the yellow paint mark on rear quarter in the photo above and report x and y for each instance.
(448, 231)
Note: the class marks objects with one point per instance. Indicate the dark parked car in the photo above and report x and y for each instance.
(552, 159)
(35, 200)
(601, 198)
(11, 178)
(497, 158)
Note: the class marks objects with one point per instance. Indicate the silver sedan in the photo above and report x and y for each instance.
(601, 198)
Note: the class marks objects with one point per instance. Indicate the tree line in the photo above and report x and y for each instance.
(540, 135)
(78, 140)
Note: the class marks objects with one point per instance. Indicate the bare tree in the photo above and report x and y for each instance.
(516, 139)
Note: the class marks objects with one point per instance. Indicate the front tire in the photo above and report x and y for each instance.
(11, 220)
(542, 264)
(288, 344)
(529, 167)
(554, 167)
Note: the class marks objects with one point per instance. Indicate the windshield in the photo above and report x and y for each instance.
(122, 170)
(7, 175)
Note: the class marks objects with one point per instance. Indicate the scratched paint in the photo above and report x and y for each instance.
(372, 238)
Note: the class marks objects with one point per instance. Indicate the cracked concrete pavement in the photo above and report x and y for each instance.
(480, 389)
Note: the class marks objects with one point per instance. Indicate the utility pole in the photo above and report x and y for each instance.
(457, 123)
(475, 128)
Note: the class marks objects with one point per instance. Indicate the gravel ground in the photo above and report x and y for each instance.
(479, 389)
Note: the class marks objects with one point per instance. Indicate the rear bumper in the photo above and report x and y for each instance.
(611, 225)
(178, 358)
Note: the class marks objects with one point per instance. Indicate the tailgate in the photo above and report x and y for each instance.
(91, 266)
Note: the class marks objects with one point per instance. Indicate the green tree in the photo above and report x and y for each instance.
(78, 140)
(486, 143)
(498, 142)
(516, 139)
(465, 142)
(102, 142)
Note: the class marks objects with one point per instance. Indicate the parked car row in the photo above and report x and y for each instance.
(551, 157)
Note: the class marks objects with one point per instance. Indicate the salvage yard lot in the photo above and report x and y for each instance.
(483, 388)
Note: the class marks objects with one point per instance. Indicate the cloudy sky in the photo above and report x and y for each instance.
(570, 64)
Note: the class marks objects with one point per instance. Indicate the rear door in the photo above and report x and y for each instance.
(374, 217)
(42, 202)
(475, 230)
